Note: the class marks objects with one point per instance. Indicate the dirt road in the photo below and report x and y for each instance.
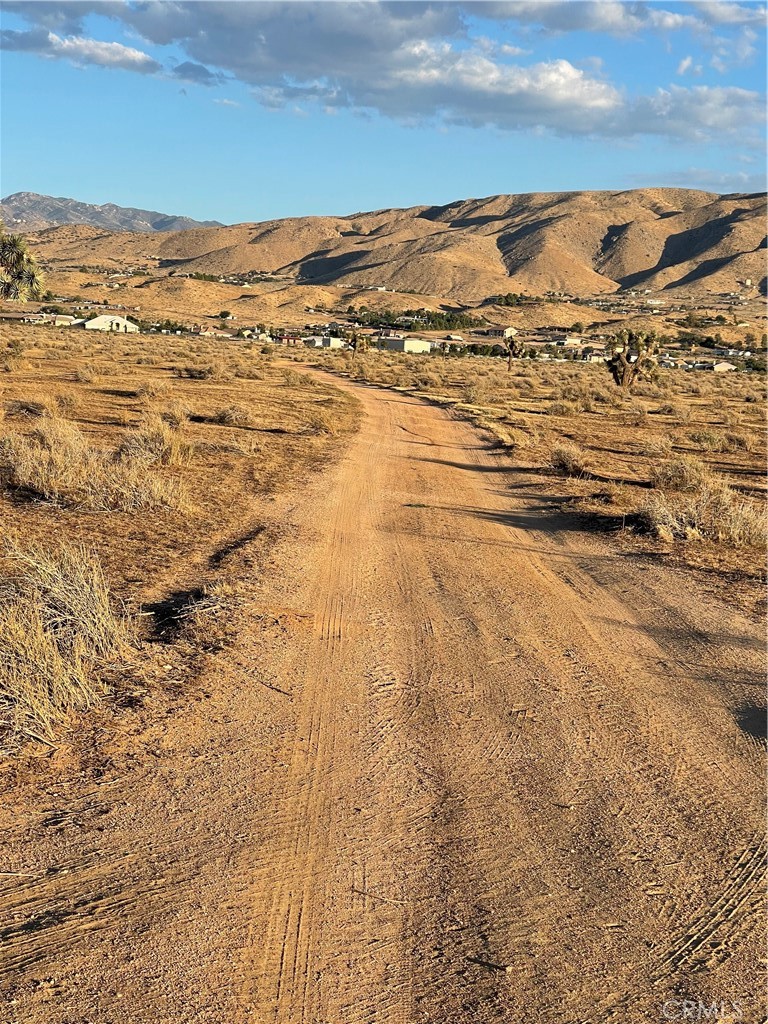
(464, 764)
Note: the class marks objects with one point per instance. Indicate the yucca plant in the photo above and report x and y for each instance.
(20, 276)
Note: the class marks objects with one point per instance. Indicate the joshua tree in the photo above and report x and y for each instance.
(633, 357)
(515, 349)
(20, 276)
(358, 343)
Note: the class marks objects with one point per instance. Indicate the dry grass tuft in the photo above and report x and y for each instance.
(714, 512)
(718, 441)
(176, 414)
(86, 375)
(57, 625)
(233, 416)
(319, 421)
(31, 407)
(680, 474)
(569, 459)
(56, 464)
(214, 370)
(156, 441)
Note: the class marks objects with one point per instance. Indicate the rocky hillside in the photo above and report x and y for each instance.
(28, 211)
(582, 243)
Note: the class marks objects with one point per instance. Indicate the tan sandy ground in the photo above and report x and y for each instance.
(461, 764)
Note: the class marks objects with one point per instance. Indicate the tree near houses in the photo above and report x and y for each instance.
(633, 357)
(515, 350)
(358, 343)
(20, 276)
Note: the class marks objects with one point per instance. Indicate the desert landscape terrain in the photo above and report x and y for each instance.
(349, 685)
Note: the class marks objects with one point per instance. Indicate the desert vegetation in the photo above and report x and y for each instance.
(125, 467)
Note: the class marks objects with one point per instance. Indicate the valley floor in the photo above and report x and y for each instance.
(463, 763)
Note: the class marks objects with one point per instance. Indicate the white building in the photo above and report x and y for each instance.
(723, 367)
(414, 346)
(324, 341)
(108, 322)
(501, 332)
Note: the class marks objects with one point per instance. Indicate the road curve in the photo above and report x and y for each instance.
(496, 772)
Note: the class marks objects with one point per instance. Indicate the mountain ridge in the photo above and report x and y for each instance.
(31, 211)
(581, 243)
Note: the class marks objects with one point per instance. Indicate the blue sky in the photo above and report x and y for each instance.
(250, 110)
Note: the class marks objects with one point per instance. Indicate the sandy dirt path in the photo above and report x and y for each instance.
(463, 764)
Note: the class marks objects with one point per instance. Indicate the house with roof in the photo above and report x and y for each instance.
(110, 322)
(412, 346)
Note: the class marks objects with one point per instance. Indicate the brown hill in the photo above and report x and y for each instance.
(578, 242)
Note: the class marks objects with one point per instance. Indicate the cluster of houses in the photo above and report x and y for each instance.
(545, 343)
(102, 322)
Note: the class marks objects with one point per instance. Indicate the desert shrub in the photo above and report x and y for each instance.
(248, 371)
(714, 512)
(29, 407)
(659, 447)
(569, 459)
(602, 397)
(669, 409)
(233, 416)
(561, 409)
(636, 416)
(65, 402)
(474, 394)
(156, 441)
(55, 463)
(11, 361)
(194, 372)
(86, 375)
(292, 378)
(58, 624)
(150, 389)
(717, 441)
(214, 370)
(737, 441)
(680, 474)
(175, 415)
(318, 421)
(646, 391)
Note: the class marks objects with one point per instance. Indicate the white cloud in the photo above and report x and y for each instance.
(726, 12)
(615, 17)
(418, 62)
(226, 103)
(707, 179)
(80, 50)
(701, 113)
(686, 65)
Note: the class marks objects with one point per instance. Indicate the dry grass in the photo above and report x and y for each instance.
(55, 463)
(683, 473)
(58, 625)
(233, 416)
(713, 512)
(156, 442)
(152, 471)
(569, 459)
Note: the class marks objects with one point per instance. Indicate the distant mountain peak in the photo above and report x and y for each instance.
(28, 211)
